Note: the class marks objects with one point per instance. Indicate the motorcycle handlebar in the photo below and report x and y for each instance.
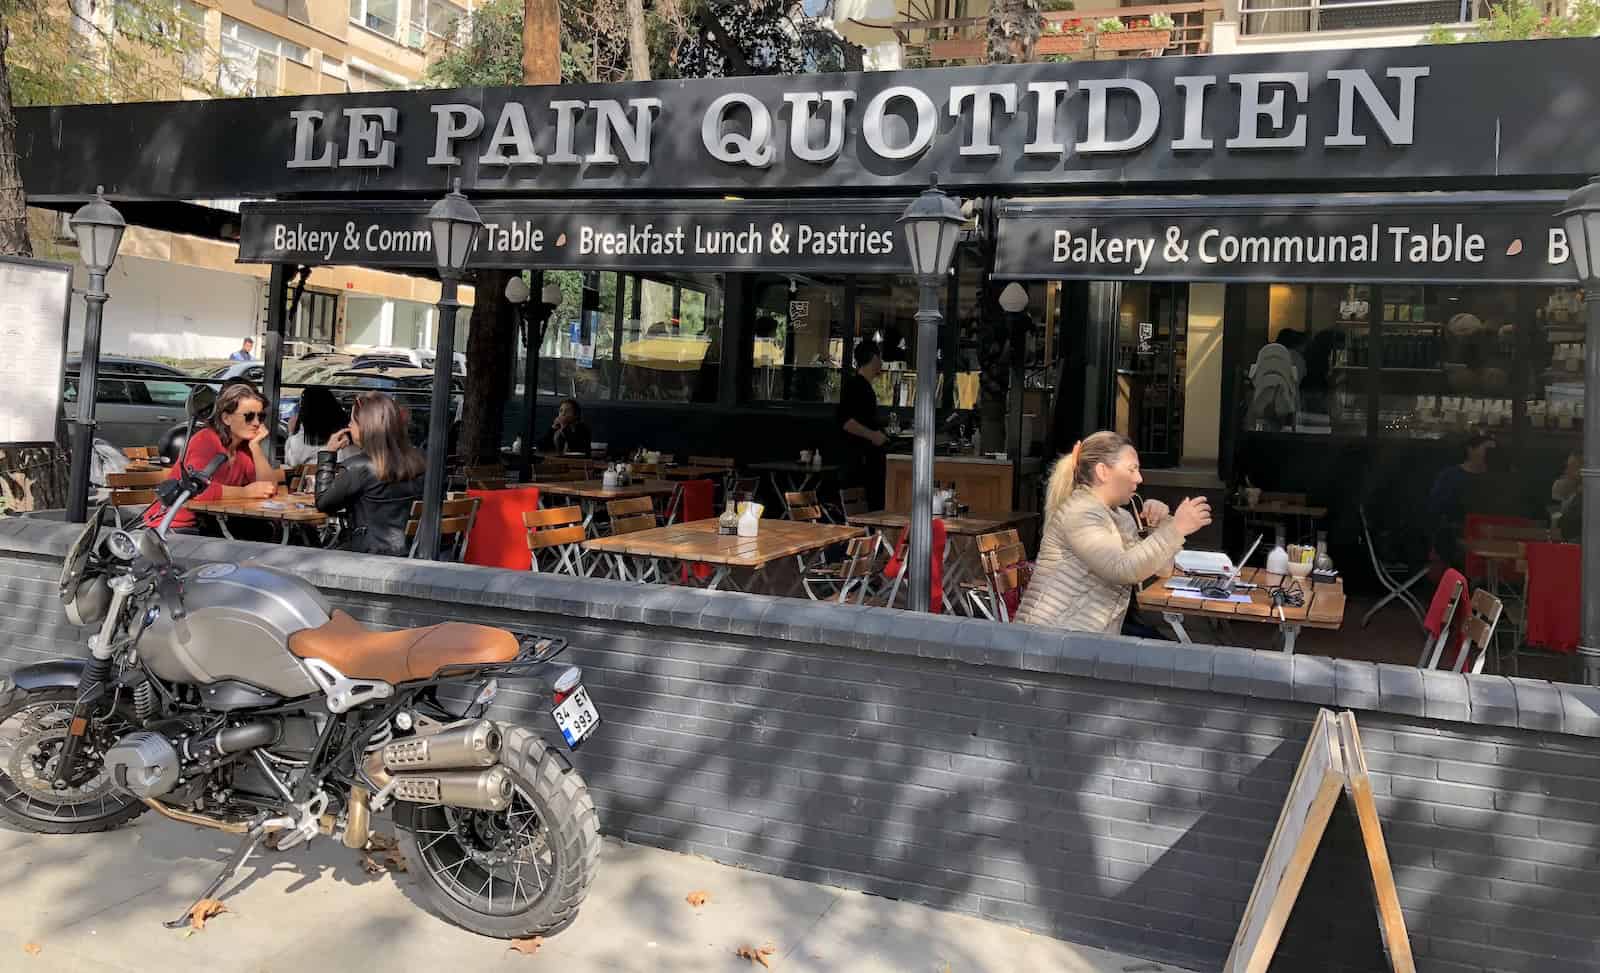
(192, 483)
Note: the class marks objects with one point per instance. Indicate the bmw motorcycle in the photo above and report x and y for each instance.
(234, 697)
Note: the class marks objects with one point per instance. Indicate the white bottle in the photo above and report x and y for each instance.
(1278, 558)
(816, 460)
(749, 522)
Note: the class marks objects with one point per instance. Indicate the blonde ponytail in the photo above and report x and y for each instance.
(1076, 468)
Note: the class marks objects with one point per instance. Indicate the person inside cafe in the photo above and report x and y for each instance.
(865, 464)
(374, 490)
(237, 430)
(316, 420)
(1091, 555)
(1447, 499)
(568, 432)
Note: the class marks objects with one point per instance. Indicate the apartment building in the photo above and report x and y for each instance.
(186, 297)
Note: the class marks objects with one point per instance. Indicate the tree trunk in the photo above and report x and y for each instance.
(1013, 30)
(541, 41)
(491, 354)
(638, 43)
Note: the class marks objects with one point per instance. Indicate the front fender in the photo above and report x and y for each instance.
(59, 674)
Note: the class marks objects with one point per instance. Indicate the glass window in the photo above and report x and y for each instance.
(382, 16)
(174, 394)
(1554, 387)
(1306, 357)
(434, 18)
(798, 327)
(671, 347)
(577, 358)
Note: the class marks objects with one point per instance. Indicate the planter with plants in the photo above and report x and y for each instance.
(1140, 34)
(1062, 37)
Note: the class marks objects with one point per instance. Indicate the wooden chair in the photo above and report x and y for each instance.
(147, 480)
(139, 452)
(456, 518)
(629, 517)
(132, 498)
(1446, 600)
(1486, 612)
(803, 507)
(999, 553)
(303, 478)
(856, 572)
(557, 534)
(742, 488)
(720, 462)
(490, 477)
(853, 502)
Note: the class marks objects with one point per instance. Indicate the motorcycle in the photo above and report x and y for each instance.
(234, 697)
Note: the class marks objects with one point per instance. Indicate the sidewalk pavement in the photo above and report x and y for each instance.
(96, 902)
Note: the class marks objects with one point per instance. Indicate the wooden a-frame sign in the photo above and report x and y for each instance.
(1332, 762)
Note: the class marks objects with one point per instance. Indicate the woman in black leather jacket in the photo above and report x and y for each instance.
(375, 488)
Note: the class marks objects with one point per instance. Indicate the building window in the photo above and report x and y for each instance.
(380, 16)
(798, 338)
(671, 344)
(361, 79)
(437, 20)
(295, 10)
(249, 64)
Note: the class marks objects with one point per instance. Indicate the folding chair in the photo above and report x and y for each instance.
(982, 593)
(456, 518)
(1486, 611)
(489, 477)
(721, 462)
(854, 572)
(147, 480)
(629, 517)
(1439, 628)
(742, 488)
(557, 534)
(852, 502)
(1388, 573)
(897, 568)
(139, 452)
(1552, 604)
(803, 507)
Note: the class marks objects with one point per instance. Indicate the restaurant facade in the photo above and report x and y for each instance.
(1387, 215)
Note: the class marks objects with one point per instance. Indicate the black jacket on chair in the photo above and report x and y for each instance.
(377, 511)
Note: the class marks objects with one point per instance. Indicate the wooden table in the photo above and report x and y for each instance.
(685, 471)
(698, 541)
(591, 493)
(1323, 608)
(959, 559)
(288, 511)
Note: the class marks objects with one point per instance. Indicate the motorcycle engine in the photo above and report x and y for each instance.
(145, 764)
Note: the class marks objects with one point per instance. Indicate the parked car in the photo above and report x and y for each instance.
(248, 371)
(129, 410)
(412, 388)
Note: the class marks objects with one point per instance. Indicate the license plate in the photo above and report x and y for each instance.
(576, 717)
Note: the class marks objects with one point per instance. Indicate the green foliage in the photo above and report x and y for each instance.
(1520, 20)
(1161, 21)
(491, 53)
(1056, 6)
(137, 50)
(1110, 25)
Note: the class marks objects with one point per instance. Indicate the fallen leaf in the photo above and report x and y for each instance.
(370, 865)
(33, 949)
(697, 899)
(755, 955)
(203, 910)
(378, 841)
(527, 947)
(1515, 248)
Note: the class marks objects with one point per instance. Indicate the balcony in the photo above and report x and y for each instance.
(1258, 17)
(1066, 35)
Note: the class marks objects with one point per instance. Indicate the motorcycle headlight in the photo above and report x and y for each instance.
(88, 601)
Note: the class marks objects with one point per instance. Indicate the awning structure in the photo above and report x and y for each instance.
(1435, 238)
(836, 236)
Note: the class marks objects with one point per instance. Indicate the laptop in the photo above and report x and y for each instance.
(1209, 565)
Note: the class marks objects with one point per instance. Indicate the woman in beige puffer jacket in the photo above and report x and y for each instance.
(1091, 554)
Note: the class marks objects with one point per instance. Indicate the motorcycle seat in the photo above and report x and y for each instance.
(403, 655)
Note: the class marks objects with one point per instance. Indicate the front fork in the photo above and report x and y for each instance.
(95, 682)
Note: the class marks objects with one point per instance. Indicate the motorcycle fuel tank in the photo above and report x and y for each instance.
(239, 620)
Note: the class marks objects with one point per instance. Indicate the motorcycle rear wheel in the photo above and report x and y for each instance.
(515, 873)
(32, 728)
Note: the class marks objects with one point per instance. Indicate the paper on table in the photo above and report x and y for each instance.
(1200, 596)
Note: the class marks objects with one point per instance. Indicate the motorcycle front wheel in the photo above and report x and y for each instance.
(33, 730)
(508, 874)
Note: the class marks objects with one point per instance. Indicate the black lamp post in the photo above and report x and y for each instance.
(933, 225)
(98, 227)
(1582, 221)
(518, 294)
(455, 225)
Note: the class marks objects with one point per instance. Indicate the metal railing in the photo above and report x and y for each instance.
(1314, 16)
(964, 40)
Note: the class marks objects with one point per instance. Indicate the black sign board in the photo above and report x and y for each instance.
(1454, 114)
(723, 235)
(1440, 238)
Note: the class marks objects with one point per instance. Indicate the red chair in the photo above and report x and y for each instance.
(1555, 583)
(498, 539)
(1475, 530)
(1443, 618)
(895, 568)
(696, 501)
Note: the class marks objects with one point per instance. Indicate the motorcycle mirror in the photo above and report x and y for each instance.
(202, 399)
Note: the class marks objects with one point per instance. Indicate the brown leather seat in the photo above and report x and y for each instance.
(403, 655)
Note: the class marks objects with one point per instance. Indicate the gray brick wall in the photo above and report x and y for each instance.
(1108, 791)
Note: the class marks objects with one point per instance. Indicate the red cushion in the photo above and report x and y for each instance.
(498, 538)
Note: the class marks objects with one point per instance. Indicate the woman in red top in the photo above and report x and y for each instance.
(237, 430)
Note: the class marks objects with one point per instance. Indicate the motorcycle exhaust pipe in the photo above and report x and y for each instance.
(466, 745)
(481, 790)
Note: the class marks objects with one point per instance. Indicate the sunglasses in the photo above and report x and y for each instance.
(251, 418)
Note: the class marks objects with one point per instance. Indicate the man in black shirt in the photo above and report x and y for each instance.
(865, 465)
